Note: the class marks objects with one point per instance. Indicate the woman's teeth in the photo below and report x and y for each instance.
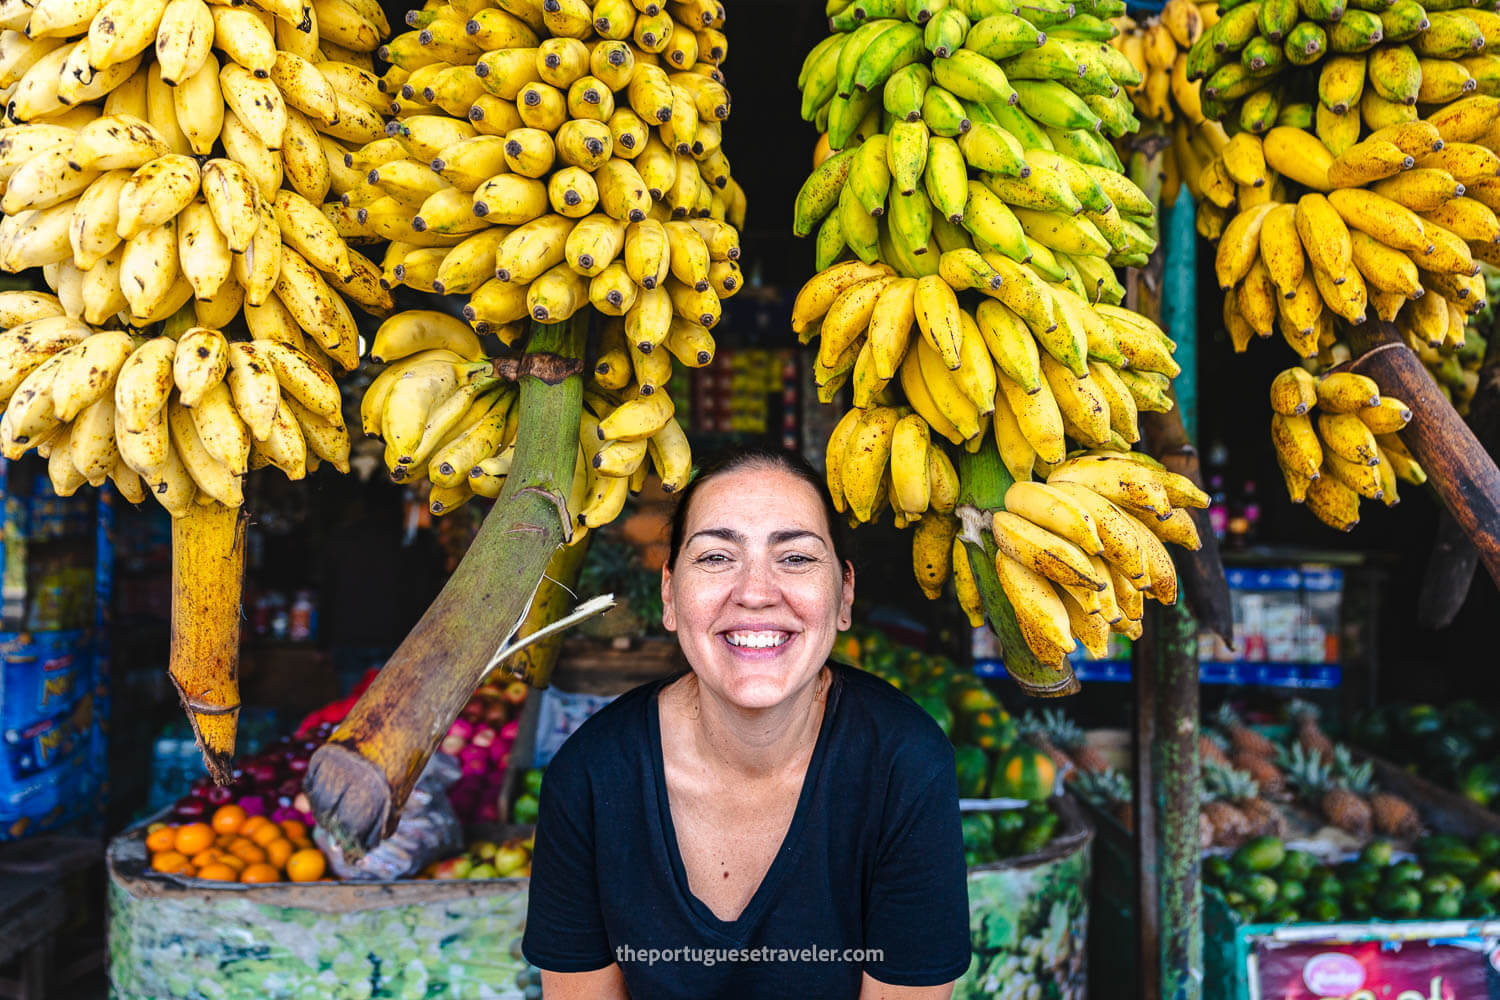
(756, 640)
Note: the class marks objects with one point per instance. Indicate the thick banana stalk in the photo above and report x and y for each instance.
(208, 568)
(360, 779)
(985, 481)
(1459, 469)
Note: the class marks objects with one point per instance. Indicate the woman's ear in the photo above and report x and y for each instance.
(668, 612)
(846, 597)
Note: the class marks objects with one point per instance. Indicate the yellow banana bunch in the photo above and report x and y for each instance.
(542, 164)
(1337, 439)
(539, 163)
(205, 140)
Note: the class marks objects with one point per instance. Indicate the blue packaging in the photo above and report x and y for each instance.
(42, 674)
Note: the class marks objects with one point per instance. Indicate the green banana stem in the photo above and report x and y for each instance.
(985, 480)
(359, 780)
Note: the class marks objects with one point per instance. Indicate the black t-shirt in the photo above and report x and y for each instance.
(873, 860)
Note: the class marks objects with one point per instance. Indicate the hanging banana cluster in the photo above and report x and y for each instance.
(969, 212)
(189, 414)
(446, 415)
(545, 158)
(1351, 450)
(161, 154)
(1364, 184)
(168, 161)
(1158, 49)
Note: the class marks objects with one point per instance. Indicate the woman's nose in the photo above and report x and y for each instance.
(756, 586)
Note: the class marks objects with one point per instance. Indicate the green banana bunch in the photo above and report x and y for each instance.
(969, 212)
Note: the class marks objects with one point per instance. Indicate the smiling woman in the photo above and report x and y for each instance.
(767, 824)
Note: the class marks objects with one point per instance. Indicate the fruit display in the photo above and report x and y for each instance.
(1010, 833)
(1337, 440)
(267, 784)
(1457, 746)
(234, 845)
(481, 739)
(547, 163)
(485, 859)
(1265, 881)
(969, 213)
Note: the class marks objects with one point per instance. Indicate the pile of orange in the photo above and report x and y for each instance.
(234, 847)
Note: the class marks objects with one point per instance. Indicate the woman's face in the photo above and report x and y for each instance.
(756, 596)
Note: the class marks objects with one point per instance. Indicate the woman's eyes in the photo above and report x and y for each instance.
(796, 559)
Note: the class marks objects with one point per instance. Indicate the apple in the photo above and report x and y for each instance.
(219, 795)
(485, 870)
(515, 692)
(483, 849)
(510, 858)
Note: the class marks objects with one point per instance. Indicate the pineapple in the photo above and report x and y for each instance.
(1395, 817)
(1345, 801)
(1242, 737)
(1230, 826)
(1309, 733)
(1266, 774)
(1337, 793)
(1264, 818)
(1211, 750)
(1110, 790)
(1065, 734)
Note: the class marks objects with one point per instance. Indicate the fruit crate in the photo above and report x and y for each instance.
(172, 937)
(1029, 917)
(1237, 954)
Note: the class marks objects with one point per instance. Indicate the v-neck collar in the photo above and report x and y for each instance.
(736, 930)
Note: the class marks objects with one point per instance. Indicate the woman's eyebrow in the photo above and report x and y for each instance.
(724, 534)
(793, 534)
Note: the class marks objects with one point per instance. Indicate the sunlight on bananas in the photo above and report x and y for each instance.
(163, 155)
(969, 211)
(1337, 440)
(546, 160)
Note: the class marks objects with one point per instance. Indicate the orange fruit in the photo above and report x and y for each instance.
(194, 838)
(278, 850)
(247, 852)
(260, 873)
(211, 856)
(228, 819)
(218, 872)
(223, 839)
(294, 828)
(163, 838)
(237, 864)
(265, 834)
(306, 866)
(251, 824)
(170, 861)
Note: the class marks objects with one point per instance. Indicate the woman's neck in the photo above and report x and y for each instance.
(756, 743)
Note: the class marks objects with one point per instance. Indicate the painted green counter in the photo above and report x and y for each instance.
(178, 939)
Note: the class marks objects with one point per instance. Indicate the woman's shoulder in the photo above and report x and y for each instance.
(879, 712)
(615, 733)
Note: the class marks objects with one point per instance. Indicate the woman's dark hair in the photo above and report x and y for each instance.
(759, 458)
